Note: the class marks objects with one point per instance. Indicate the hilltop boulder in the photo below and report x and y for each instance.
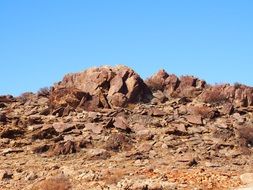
(103, 87)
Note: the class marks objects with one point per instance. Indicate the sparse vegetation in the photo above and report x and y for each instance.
(214, 95)
(44, 92)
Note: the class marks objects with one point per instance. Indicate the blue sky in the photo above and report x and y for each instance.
(42, 40)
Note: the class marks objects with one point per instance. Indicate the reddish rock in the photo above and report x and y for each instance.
(46, 132)
(94, 127)
(172, 83)
(68, 147)
(120, 123)
(116, 85)
(187, 81)
(107, 87)
(157, 112)
(117, 100)
(63, 97)
(63, 127)
(157, 81)
(194, 119)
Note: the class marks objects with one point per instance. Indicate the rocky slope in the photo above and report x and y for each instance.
(106, 128)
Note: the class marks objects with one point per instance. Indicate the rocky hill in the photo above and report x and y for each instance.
(107, 128)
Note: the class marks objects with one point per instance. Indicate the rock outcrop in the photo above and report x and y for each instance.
(102, 87)
(191, 87)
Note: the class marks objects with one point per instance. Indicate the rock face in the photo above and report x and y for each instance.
(101, 87)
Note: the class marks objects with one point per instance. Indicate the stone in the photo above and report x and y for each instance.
(118, 100)
(98, 154)
(120, 123)
(46, 132)
(157, 81)
(172, 83)
(116, 85)
(157, 112)
(63, 97)
(194, 119)
(63, 127)
(100, 87)
(94, 127)
(247, 178)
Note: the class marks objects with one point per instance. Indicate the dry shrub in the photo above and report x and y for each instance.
(113, 177)
(44, 92)
(59, 183)
(245, 136)
(214, 95)
(118, 142)
(24, 97)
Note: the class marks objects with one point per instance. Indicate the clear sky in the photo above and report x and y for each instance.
(42, 40)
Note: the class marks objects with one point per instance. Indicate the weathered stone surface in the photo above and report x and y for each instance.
(94, 127)
(63, 127)
(157, 81)
(247, 178)
(194, 119)
(120, 122)
(114, 85)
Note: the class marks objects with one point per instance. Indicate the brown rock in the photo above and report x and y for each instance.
(187, 81)
(157, 112)
(98, 154)
(63, 97)
(94, 127)
(227, 109)
(117, 100)
(172, 83)
(46, 132)
(120, 123)
(63, 127)
(194, 119)
(116, 85)
(68, 147)
(157, 81)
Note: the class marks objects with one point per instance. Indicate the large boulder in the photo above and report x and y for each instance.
(103, 87)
